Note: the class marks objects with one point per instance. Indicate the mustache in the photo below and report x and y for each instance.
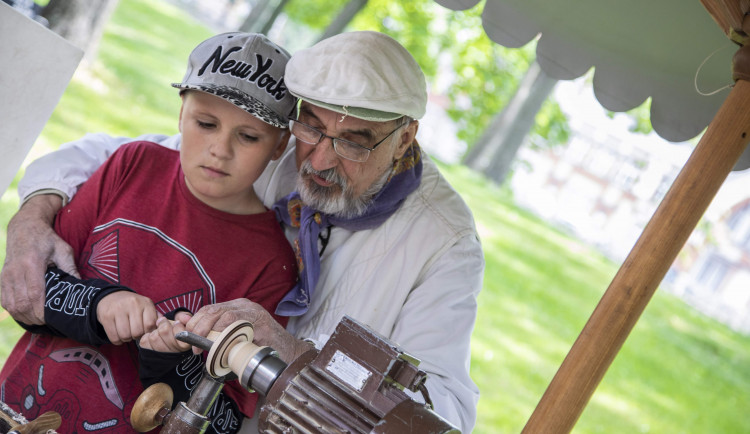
(329, 175)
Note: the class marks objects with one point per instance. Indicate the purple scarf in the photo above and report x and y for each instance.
(404, 179)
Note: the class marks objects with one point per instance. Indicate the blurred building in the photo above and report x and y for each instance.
(713, 270)
(605, 185)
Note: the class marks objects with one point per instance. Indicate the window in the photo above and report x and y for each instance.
(712, 272)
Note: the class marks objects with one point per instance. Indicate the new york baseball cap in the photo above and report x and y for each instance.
(246, 69)
(364, 74)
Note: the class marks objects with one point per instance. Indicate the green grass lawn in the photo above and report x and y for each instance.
(679, 372)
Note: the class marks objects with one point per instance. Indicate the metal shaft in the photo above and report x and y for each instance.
(194, 340)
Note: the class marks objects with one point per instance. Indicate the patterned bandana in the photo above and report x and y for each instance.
(404, 179)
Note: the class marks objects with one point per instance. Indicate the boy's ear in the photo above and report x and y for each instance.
(283, 142)
(179, 122)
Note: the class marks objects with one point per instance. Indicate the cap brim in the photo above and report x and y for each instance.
(241, 100)
(357, 112)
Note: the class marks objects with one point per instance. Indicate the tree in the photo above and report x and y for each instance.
(344, 18)
(80, 21)
(498, 97)
(274, 14)
(256, 12)
(496, 149)
(483, 75)
(641, 117)
(405, 21)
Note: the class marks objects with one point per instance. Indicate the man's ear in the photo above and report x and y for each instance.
(407, 136)
(283, 142)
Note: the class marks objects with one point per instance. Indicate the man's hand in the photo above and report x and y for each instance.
(163, 338)
(31, 246)
(126, 316)
(267, 331)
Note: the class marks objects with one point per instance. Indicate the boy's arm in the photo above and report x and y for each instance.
(70, 307)
(125, 316)
(160, 351)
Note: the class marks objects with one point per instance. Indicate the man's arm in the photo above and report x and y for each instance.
(435, 325)
(71, 165)
(267, 331)
(32, 245)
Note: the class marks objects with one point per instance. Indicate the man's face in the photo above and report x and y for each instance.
(332, 184)
(224, 149)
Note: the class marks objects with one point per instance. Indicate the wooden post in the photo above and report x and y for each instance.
(648, 262)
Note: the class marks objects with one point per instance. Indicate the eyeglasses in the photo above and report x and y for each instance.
(344, 148)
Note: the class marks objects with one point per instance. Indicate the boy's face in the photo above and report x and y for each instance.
(224, 150)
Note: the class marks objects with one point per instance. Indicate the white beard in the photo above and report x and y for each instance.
(337, 200)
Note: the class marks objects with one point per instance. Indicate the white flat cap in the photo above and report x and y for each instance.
(364, 74)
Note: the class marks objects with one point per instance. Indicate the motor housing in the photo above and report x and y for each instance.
(354, 384)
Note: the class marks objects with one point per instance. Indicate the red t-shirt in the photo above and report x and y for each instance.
(135, 223)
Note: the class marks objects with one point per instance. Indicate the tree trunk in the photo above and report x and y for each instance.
(250, 23)
(344, 17)
(80, 21)
(496, 149)
(272, 19)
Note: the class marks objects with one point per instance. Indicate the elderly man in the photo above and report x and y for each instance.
(380, 235)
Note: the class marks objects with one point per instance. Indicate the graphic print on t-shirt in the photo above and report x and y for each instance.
(57, 372)
(104, 259)
(177, 266)
(76, 381)
(189, 300)
(98, 364)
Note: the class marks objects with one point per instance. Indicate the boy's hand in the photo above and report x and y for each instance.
(126, 316)
(162, 339)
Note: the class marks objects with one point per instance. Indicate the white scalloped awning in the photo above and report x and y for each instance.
(638, 48)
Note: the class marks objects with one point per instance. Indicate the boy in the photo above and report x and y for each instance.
(172, 226)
